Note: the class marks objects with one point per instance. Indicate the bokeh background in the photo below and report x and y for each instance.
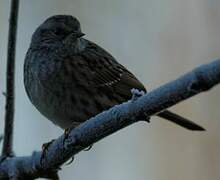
(156, 40)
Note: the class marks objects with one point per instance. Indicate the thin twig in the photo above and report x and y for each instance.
(9, 108)
(1, 137)
(60, 150)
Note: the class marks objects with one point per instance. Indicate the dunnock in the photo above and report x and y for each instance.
(70, 79)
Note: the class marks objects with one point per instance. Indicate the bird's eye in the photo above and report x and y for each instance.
(58, 31)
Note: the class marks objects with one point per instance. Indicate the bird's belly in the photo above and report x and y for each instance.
(69, 108)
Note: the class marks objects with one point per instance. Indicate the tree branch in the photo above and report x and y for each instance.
(59, 151)
(9, 114)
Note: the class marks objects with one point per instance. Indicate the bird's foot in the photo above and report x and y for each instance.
(66, 135)
(45, 147)
(67, 131)
(72, 158)
(88, 148)
(70, 162)
(147, 119)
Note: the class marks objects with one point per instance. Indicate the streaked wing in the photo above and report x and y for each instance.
(108, 74)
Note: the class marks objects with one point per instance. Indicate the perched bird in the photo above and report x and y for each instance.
(70, 79)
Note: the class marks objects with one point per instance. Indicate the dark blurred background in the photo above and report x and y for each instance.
(158, 41)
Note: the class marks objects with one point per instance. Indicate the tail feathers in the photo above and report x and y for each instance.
(175, 118)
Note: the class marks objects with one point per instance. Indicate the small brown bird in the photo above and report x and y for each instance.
(70, 79)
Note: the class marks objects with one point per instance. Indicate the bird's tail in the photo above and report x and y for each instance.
(175, 118)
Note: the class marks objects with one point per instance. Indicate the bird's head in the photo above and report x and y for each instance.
(58, 29)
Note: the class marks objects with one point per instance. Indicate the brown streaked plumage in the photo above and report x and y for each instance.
(70, 79)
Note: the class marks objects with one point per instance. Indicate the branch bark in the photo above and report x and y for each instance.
(7, 149)
(59, 151)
